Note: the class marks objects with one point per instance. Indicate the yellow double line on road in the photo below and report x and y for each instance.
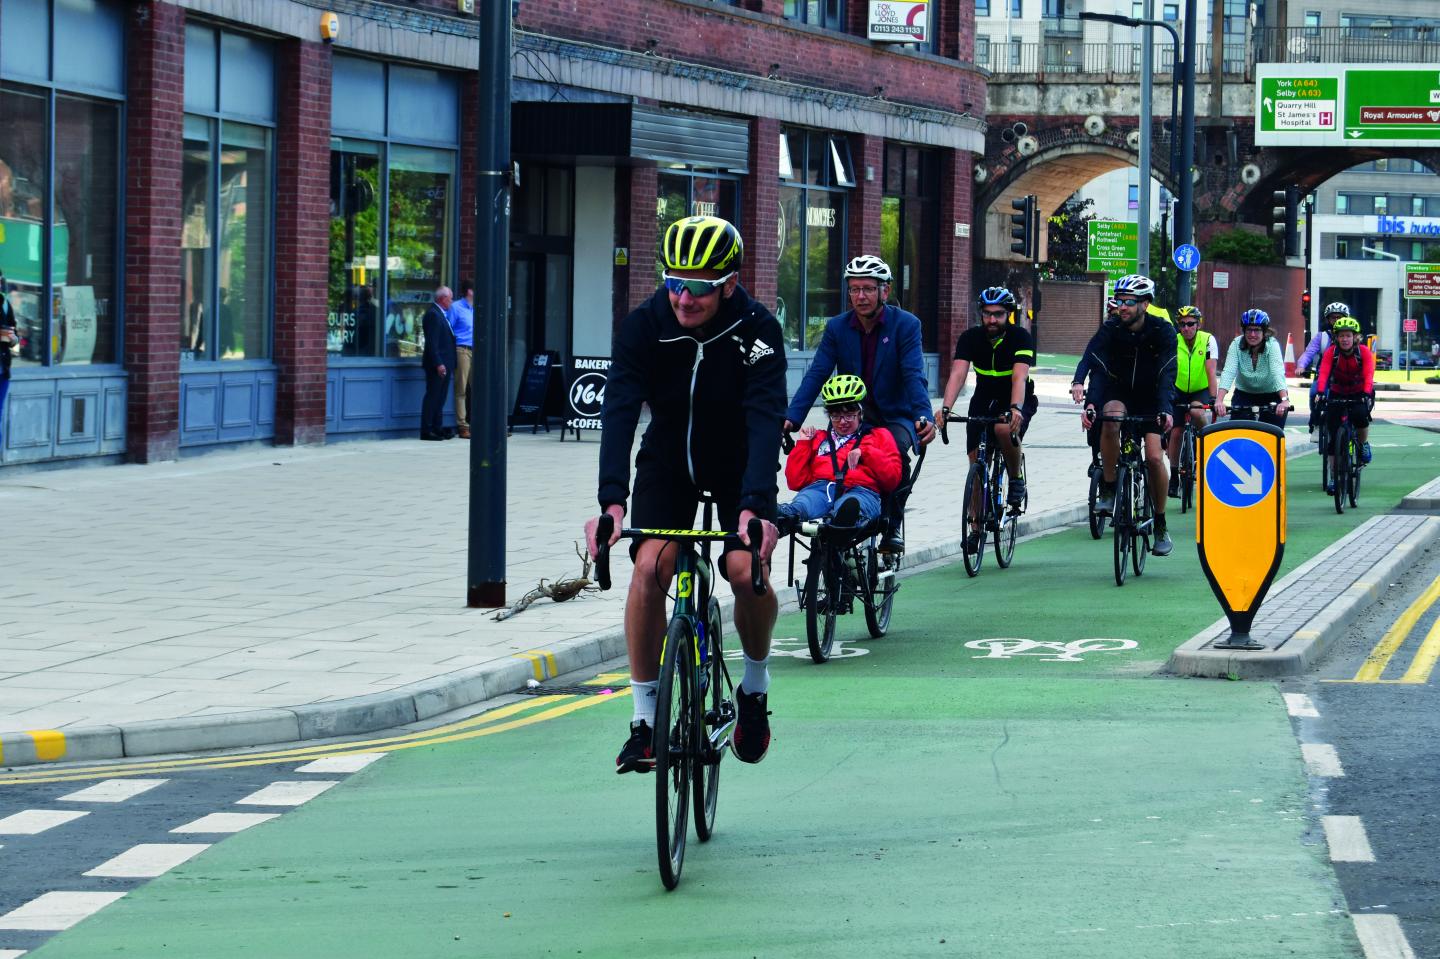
(1425, 658)
(514, 716)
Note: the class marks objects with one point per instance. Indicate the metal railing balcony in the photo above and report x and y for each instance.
(1055, 58)
(1373, 43)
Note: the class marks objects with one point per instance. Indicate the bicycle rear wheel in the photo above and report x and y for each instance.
(1142, 511)
(715, 714)
(975, 504)
(1341, 468)
(822, 587)
(882, 592)
(1187, 469)
(1123, 525)
(1097, 520)
(674, 747)
(1005, 522)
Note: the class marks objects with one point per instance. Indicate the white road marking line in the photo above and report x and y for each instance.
(113, 790)
(1298, 704)
(218, 822)
(1321, 759)
(341, 764)
(287, 793)
(1382, 938)
(1347, 839)
(11, 953)
(148, 860)
(55, 911)
(28, 822)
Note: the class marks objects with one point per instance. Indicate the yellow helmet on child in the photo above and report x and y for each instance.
(843, 389)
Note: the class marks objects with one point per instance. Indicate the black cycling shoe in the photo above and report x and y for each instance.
(751, 736)
(638, 753)
(892, 542)
(847, 514)
(1174, 486)
(1015, 496)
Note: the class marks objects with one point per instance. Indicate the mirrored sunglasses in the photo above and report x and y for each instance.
(998, 314)
(696, 288)
(1126, 301)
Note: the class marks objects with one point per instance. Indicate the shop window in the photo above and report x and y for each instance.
(227, 196)
(60, 177)
(1342, 203)
(909, 232)
(829, 14)
(982, 8)
(812, 236)
(393, 204)
(691, 192)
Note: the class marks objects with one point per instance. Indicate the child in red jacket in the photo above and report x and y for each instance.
(841, 472)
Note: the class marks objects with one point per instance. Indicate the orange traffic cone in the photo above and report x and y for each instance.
(1289, 355)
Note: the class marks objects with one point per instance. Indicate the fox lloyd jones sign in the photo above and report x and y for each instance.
(899, 21)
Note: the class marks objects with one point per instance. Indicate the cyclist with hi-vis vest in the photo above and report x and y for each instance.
(1196, 357)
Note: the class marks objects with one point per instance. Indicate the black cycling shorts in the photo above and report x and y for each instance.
(1199, 396)
(979, 407)
(664, 498)
(1137, 405)
(1359, 416)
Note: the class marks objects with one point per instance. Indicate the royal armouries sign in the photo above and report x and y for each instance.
(1315, 104)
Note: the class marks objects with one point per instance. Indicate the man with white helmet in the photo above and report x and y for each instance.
(880, 343)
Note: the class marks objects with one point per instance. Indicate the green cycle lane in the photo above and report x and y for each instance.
(922, 798)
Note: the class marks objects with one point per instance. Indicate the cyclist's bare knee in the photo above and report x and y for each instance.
(654, 566)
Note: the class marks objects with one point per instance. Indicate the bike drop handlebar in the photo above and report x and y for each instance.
(982, 420)
(606, 528)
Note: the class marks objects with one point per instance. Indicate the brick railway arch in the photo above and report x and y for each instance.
(1307, 168)
(1064, 160)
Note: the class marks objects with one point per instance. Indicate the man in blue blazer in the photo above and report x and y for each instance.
(880, 344)
(439, 363)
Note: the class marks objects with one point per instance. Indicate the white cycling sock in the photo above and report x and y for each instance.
(644, 696)
(757, 675)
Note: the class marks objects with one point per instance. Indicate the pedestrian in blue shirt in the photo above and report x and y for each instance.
(462, 321)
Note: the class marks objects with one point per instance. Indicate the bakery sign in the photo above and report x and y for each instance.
(899, 21)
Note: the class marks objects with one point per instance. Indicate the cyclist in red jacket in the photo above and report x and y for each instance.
(1347, 371)
(841, 472)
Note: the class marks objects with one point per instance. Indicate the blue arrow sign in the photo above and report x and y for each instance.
(1187, 257)
(1240, 472)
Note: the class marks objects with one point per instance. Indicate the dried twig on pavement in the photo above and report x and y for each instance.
(559, 591)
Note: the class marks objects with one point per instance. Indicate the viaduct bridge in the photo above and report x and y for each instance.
(1062, 114)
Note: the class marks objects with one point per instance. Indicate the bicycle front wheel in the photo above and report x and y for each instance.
(1341, 468)
(1187, 469)
(973, 544)
(1142, 511)
(713, 718)
(882, 592)
(1005, 521)
(1122, 523)
(1324, 445)
(1356, 468)
(822, 586)
(675, 741)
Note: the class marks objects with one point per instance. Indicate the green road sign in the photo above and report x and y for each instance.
(1298, 103)
(1392, 105)
(1112, 247)
(1422, 280)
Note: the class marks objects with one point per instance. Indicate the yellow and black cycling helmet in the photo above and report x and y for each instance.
(1346, 323)
(703, 243)
(1187, 311)
(843, 389)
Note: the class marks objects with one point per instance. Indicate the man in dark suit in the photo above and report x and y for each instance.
(439, 363)
(880, 343)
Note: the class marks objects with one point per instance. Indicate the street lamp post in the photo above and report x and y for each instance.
(1147, 83)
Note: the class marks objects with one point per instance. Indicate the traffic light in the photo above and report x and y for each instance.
(1286, 218)
(1305, 306)
(1024, 235)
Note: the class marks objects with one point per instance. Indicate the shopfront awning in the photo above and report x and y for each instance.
(627, 132)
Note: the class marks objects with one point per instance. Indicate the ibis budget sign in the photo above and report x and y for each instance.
(1240, 516)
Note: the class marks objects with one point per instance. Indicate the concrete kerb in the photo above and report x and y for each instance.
(404, 704)
(1424, 499)
(1310, 641)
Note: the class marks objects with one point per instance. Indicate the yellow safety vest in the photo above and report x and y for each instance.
(1161, 312)
(1190, 375)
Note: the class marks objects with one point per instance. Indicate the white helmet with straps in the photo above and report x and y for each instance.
(869, 266)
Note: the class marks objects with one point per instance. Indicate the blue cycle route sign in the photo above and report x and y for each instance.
(1186, 257)
(1240, 472)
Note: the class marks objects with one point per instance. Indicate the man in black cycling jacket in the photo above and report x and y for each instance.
(710, 363)
(1131, 361)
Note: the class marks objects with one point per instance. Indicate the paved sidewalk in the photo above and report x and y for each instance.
(269, 595)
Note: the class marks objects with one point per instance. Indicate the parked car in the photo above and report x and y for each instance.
(1418, 360)
(1384, 360)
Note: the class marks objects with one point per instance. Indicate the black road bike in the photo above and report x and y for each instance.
(986, 508)
(1345, 448)
(695, 710)
(1134, 517)
(1185, 461)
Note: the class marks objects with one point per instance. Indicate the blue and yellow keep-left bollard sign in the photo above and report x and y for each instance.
(1240, 517)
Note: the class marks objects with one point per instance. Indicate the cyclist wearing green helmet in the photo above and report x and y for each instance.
(710, 363)
(1347, 370)
(841, 472)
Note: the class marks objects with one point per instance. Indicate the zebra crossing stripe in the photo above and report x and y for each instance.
(57, 911)
(113, 790)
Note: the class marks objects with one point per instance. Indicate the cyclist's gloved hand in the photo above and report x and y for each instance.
(789, 427)
(616, 511)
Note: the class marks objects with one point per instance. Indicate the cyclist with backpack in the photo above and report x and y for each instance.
(1347, 371)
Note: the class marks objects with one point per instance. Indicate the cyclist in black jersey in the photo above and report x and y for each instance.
(1001, 353)
(710, 363)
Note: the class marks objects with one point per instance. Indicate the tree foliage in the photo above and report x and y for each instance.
(1068, 239)
(1242, 246)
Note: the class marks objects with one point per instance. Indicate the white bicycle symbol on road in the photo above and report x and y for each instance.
(1008, 647)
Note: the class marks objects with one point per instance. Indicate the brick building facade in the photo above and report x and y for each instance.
(287, 205)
